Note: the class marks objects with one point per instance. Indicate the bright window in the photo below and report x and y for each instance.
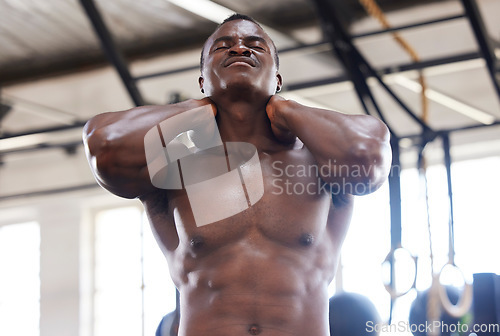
(477, 228)
(133, 289)
(20, 279)
(365, 247)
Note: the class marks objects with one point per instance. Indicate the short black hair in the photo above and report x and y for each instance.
(235, 17)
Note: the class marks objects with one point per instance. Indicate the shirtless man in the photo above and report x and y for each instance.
(265, 270)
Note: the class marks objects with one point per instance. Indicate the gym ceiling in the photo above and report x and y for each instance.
(458, 50)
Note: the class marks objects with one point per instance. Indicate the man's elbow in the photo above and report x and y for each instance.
(95, 137)
(373, 164)
(99, 151)
(364, 170)
(108, 174)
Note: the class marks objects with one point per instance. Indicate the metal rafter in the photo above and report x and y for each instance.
(111, 50)
(484, 41)
(388, 70)
(357, 67)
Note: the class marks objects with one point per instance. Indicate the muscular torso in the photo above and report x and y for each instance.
(264, 270)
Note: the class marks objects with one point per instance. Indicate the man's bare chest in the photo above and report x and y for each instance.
(293, 207)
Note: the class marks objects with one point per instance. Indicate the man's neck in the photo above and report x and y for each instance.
(245, 122)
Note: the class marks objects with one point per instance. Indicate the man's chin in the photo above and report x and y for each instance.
(247, 84)
(249, 91)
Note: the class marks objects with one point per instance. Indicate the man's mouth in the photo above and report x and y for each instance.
(243, 61)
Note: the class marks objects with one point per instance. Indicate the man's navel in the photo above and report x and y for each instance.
(254, 329)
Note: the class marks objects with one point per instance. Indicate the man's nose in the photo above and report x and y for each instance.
(239, 49)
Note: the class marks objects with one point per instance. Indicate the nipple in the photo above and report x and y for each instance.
(306, 239)
(197, 242)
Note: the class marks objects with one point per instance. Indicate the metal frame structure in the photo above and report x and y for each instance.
(359, 70)
(111, 50)
(117, 60)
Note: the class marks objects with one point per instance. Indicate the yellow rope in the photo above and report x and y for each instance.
(373, 9)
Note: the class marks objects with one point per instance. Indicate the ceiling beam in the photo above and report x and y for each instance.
(409, 26)
(111, 50)
(484, 41)
(357, 68)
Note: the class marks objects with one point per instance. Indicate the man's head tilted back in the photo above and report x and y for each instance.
(240, 17)
(239, 49)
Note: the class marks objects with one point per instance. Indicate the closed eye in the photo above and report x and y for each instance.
(258, 48)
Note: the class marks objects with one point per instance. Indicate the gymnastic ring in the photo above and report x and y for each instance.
(390, 256)
(464, 302)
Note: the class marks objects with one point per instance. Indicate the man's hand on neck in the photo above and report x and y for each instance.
(275, 112)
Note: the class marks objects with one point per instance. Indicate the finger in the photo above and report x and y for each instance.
(270, 111)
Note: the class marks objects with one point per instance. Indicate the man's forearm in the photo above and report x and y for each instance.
(358, 144)
(115, 145)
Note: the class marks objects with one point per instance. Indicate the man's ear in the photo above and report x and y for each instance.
(279, 82)
(200, 82)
